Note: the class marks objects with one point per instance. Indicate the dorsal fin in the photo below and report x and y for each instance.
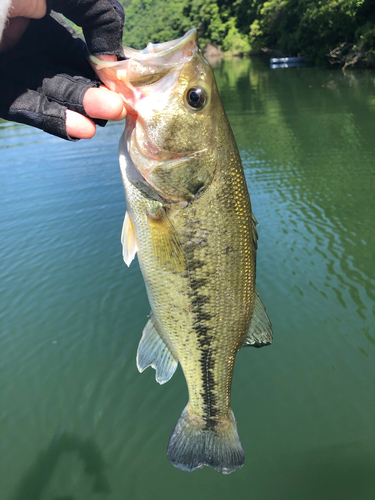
(259, 332)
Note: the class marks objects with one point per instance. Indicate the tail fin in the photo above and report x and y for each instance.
(191, 446)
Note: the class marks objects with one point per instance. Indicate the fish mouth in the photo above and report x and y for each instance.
(181, 47)
(145, 67)
(160, 51)
(155, 58)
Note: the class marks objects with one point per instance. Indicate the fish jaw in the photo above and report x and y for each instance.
(144, 67)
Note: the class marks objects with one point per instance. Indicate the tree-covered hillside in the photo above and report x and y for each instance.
(322, 30)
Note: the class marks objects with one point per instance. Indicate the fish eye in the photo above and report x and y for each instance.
(196, 98)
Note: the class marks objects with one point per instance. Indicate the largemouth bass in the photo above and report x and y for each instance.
(189, 219)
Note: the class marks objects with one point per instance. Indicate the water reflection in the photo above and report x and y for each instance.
(312, 150)
(39, 477)
(333, 472)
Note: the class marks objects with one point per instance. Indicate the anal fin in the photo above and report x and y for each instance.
(153, 351)
(128, 240)
(259, 332)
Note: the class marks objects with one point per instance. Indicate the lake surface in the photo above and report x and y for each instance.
(77, 420)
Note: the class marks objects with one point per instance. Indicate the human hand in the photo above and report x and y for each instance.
(46, 80)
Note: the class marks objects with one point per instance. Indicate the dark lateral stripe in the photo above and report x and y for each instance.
(207, 361)
(198, 301)
(197, 283)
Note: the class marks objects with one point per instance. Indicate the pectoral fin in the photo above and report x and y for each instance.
(259, 332)
(153, 351)
(129, 243)
(166, 245)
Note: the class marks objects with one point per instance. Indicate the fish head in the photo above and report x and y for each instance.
(173, 106)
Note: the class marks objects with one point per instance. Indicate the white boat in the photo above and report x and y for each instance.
(286, 60)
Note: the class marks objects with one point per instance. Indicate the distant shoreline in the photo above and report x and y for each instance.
(336, 59)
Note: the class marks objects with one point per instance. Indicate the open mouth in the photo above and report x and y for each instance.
(183, 46)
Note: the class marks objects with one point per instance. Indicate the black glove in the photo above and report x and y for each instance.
(47, 72)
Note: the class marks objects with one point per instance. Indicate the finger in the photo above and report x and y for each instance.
(79, 126)
(107, 57)
(44, 103)
(103, 103)
(27, 106)
(34, 9)
(67, 89)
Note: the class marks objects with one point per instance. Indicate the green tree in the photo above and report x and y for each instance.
(315, 28)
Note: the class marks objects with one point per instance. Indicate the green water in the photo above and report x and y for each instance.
(77, 420)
